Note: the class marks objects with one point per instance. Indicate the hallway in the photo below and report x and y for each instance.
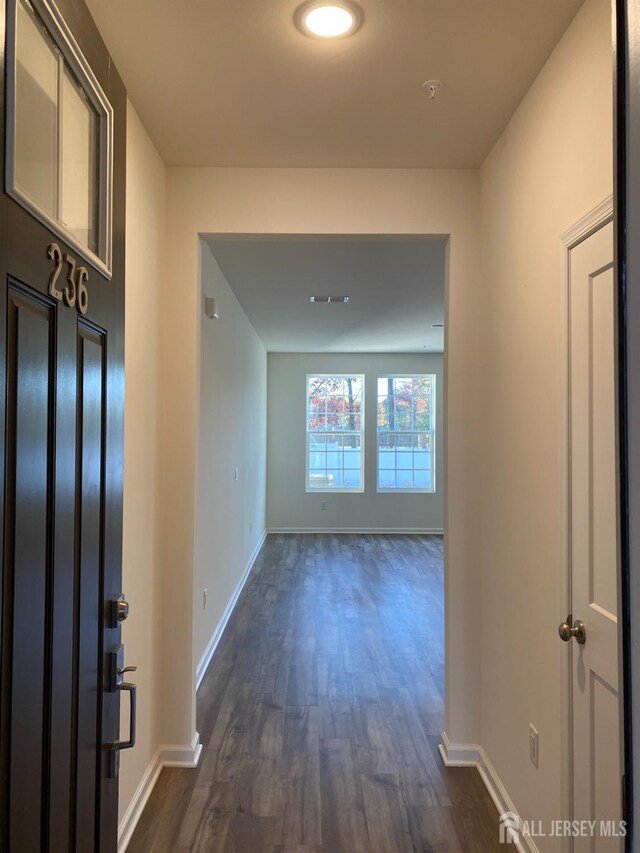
(321, 713)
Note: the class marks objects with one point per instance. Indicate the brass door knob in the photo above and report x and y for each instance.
(570, 629)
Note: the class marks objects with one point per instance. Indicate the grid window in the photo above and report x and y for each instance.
(335, 432)
(406, 433)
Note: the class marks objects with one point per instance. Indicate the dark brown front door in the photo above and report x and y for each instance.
(61, 427)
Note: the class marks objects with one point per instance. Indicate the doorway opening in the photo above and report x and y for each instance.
(330, 353)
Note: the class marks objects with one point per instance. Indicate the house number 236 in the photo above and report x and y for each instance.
(74, 293)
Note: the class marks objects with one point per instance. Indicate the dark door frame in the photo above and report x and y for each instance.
(627, 229)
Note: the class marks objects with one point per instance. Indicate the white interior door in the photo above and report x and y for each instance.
(594, 540)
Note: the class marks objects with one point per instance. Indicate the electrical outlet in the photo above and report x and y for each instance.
(323, 505)
(533, 744)
(236, 473)
(205, 592)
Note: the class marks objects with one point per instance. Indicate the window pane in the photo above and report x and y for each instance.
(334, 452)
(386, 452)
(36, 113)
(422, 421)
(352, 458)
(402, 421)
(317, 442)
(317, 387)
(422, 386)
(383, 416)
(421, 479)
(318, 480)
(318, 422)
(335, 475)
(424, 441)
(404, 453)
(79, 164)
(421, 459)
(317, 461)
(333, 421)
(403, 385)
(404, 480)
(386, 479)
(317, 405)
(352, 479)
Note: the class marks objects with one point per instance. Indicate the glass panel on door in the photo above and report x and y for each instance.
(78, 164)
(59, 164)
(36, 113)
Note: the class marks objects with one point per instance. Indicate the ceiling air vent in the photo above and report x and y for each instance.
(342, 299)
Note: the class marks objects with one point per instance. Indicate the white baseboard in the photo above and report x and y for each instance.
(172, 755)
(166, 755)
(459, 754)
(473, 755)
(393, 530)
(205, 660)
(138, 802)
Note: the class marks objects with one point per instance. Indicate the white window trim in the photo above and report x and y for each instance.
(430, 432)
(75, 59)
(309, 432)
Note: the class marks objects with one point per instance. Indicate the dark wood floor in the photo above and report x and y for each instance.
(321, 713)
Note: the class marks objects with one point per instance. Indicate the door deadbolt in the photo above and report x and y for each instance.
(570, 629)
(119, 610)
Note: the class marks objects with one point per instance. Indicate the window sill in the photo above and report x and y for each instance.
(334, 491)
(406, 491)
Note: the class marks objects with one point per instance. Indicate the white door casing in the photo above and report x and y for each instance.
(593, 532)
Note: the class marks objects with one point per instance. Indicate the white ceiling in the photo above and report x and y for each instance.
(396, 290)
(233, 83)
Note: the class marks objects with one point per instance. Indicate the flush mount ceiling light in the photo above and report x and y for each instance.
(328, 20)
(327, 299)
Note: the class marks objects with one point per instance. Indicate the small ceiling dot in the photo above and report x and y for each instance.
(432, 88)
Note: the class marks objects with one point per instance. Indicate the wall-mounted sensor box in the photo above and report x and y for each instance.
(211, 308)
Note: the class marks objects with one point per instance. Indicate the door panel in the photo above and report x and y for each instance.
(29, 452)
(594, 538)
(88, 583)
(603, 513)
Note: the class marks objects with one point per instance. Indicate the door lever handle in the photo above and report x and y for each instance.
(119, 745)
(127, 669)
(569, 629)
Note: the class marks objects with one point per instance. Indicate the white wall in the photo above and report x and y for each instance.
(230, 515)
(146, 186)
(344, 201)
(289, 506)
(550, 167)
